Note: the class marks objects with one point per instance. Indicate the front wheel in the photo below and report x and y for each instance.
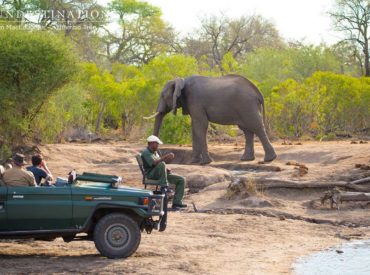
(117, 236)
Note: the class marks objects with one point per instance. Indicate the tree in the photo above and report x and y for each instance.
(350, 57)
(271, 66)
(353, 18)
(33, 65)
(65, 110)
(141, 34)
(220, 35)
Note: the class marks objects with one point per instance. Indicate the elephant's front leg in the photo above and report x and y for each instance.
(200, 149)
(249, 146)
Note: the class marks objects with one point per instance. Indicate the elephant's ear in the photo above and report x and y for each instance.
(179, 85)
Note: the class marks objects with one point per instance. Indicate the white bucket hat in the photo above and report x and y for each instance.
(154, 139)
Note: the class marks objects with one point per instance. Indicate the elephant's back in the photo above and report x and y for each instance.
(232, 84)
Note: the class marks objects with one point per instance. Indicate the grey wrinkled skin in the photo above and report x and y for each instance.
(226, 100)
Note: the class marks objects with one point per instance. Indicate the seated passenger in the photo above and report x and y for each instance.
(40, 170)
(18, 176)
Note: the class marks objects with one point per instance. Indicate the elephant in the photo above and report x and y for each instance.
(226, 100)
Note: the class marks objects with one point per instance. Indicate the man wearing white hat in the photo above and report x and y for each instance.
(155, 168)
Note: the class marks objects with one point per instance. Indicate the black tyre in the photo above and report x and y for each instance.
(117, 236)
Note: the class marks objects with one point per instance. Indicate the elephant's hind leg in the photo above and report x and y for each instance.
(249, 145)
(270, 154)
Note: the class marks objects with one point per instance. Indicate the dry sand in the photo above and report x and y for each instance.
(203, 243)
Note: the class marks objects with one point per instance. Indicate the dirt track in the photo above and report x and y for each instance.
(206, 243)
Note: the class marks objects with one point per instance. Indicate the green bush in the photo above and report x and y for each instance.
(176, 129)
(33, 65)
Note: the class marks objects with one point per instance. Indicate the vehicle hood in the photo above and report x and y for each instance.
(100, 186)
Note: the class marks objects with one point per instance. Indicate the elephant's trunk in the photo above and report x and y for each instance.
(158, 123)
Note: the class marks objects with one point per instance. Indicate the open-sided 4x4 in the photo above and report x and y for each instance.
(92, 207)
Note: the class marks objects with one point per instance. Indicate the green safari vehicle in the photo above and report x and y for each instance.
(89, 207)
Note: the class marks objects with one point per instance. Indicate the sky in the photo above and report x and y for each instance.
(294, 19)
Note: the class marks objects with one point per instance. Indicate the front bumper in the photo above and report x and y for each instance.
(157, 207)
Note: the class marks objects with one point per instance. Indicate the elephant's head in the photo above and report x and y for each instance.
(168, 101)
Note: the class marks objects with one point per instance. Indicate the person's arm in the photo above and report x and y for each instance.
(165, 157)
(148, 158)
(31, 179)
(49, 174)
(45, 175)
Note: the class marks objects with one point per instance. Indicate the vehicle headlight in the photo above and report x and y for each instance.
(156, 205)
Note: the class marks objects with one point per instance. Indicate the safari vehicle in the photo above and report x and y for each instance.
(88, 207)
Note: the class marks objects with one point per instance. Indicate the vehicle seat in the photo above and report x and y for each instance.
(146, 181)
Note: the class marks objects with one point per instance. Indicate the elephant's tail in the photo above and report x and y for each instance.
(263, 110)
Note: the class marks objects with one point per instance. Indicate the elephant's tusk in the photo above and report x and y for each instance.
(152, 116)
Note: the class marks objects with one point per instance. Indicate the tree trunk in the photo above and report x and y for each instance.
(354, 196)
(100, 116)
(124, 126)
(366, 53)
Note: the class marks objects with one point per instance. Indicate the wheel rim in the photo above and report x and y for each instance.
(117, 236)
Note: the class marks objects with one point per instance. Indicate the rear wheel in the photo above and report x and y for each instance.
(117, 236)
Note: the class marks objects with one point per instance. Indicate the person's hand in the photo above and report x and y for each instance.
(44, 166)
(170, 156)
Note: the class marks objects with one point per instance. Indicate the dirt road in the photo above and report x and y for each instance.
(202, 243)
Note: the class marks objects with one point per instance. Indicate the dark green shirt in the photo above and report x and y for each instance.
(149, 157)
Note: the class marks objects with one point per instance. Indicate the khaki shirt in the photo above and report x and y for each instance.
(17, 176)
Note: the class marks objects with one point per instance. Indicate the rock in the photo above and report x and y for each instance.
(198, 178)
(339, 251)
(292, 163)
(238, 189)
(256, 202)
(362, 166)
(302, 169)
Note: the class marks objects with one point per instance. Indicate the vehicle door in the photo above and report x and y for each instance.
(39, 208)
(3, 214)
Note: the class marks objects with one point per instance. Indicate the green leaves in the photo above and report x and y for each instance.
(322, 104)
(127, 8)
(33, 65)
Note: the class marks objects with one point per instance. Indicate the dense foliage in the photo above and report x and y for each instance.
(33, 65)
